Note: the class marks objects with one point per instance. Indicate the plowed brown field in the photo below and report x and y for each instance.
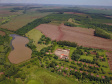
(82, 36)
(51, 31)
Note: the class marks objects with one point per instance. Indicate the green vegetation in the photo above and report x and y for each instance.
(79, 10)
(86, 22)
(16, 9)
(4, 51)
(69, 24)
(35, 35)
(102, 33)
(84, 66)
(4, 20)
(34, 82)
(22, 20)
(67, 43)
(31, 25)
(44, 77)
(44, 40)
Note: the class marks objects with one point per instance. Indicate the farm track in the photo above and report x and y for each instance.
(61, 33)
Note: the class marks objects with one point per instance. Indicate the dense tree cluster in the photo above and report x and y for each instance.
(70, 24)
(31, 25)
(31, 45)
(84, 21)
(83, 76)
(102, 33)
(44, 40)
(67, 43)
(87, 61)
(15, 9)
(4, 49)
(76, 54)
(4, 39)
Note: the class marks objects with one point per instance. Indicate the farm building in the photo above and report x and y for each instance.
(62, 54)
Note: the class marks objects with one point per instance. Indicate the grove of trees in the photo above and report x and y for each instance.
(31, 25)
(102, 33)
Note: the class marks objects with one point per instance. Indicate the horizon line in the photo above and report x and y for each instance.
(59, 4)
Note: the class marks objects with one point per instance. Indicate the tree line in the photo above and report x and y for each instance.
(67, 43)
(101, 33)
(70, 24)
(31, 25)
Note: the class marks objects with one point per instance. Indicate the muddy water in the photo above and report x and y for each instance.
(20, 52)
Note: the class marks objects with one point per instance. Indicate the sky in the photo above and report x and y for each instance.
(65, 2)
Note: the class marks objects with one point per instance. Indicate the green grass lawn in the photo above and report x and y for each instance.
(86, 57)
(1, 48)
(34, 82)
(35, 35)
(42, 76)
(105, 64)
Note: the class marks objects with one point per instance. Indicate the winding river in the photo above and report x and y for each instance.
(19, 52)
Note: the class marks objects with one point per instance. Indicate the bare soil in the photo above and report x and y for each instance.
(82, 36)
(51, 31)
(109, 55)
(59, 52)
(20, 52)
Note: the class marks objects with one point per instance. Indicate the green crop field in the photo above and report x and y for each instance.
(21, 20)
